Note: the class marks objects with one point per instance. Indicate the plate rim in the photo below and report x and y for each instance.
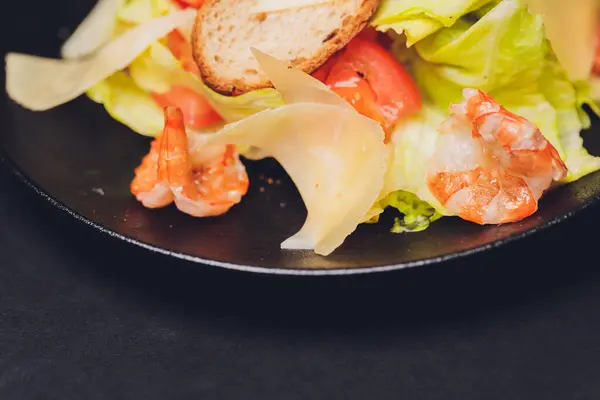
(22, 176)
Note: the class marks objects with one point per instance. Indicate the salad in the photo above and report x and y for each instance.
(463, 108)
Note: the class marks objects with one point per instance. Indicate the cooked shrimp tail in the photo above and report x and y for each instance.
(174, 164)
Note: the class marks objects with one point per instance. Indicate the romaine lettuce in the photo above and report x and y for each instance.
(506, 53)
(417, 214)
(418, 19)
(128, 104)
(414, 140)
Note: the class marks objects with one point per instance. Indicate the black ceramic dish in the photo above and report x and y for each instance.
(81, 160)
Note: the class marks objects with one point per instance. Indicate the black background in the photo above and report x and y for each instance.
(83, 316)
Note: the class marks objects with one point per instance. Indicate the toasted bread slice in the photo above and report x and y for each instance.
(305, 36)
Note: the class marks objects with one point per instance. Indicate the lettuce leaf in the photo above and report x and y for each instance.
(418, 215)
(506, 53)
(504, 49)
(568, 99)
(128, 104)
(418, 19)
(414, 141)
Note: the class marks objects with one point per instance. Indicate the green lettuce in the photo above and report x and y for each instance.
(128, 104)
(504, 49)
(568, 99)
(505, 52)
(414, 140)
(418, 19)
(417, 216)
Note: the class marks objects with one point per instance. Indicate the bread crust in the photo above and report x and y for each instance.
(351, 27)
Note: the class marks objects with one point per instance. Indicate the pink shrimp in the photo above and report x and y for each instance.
(491, 166)
(198, 185)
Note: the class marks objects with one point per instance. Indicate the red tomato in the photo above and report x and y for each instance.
(371, 79)
(596, 69)
(368, 33)
(323, 71)
(182, 50)
(189, 3)
(197, 112)
(358, 93)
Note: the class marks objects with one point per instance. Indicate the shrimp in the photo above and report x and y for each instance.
(491, 166)
(202, 185)
(145, 185)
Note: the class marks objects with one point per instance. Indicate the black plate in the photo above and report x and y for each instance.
(81, 160)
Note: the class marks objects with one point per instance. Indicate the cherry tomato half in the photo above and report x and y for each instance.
(368, 33)
(323, 71)
(197, 112)
(357, 91)
(371, 79)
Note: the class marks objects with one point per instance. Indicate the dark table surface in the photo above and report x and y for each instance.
(83, 316)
